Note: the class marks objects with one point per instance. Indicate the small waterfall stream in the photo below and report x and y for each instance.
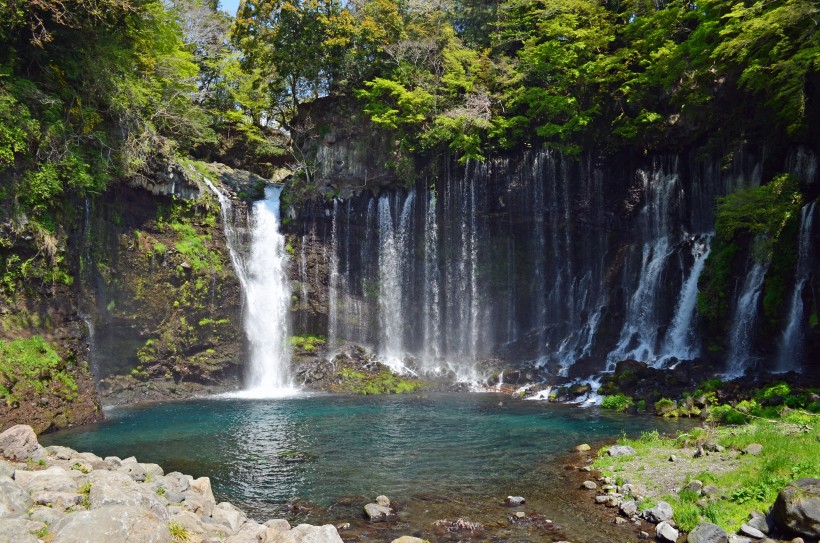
(790, 348)
(744, 321)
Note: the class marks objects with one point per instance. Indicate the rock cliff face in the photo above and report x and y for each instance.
(567, 265)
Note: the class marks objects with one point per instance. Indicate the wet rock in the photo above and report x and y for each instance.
(589, 485)
(754, 449)
(384, 501)
(621, 450)
(408, 539)
(665, 532)
(115, 524)
(514, 501)
(660, 513)
(582, 447)
(377, 513)
(706, 532)
(19, 443)
(460, 525)
(797, 508)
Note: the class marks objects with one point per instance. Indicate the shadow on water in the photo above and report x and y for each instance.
(320, 458)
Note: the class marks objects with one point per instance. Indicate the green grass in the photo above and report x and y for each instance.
(618, 402)
(384, 382)
(307, 342)
(32, 365)
(791, 451)
(179, 532)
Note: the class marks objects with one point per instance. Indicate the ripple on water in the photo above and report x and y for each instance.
(441, 455)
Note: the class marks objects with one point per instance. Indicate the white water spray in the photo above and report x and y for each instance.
(744, 321)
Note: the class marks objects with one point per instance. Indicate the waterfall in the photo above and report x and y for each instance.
(744, 321)
(639, 335)
(333, 289)
(393, 246)
(790, 347)
(263, 277)
(432, 280)
(680, 340)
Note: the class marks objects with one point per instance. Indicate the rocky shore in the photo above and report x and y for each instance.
(59, 495)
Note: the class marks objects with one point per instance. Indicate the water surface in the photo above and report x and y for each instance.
(441, 455)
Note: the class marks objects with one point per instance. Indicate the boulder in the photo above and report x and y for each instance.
(14, 500)
(377, 513)
(46, 515)
(115, 488)
(660, 513)
(754, 449)
(408, 539)
(152, 470)
(621, 450)
(750, 531)
(629, 508)
(706, 532)
(760, 522)
(202, 486)
(19, 530)
(582, 447)
(384, 501)
(589, 485)
(225, 513)
(249, 532)
(666, 532)
(19, 443)
(133, 469)
(114, 524)
(304, 533)
(6, 469)
(797, 508)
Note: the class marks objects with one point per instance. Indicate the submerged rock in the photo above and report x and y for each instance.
(514, 501)
(377, 513)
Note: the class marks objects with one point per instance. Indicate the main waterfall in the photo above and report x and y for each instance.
(264, 280)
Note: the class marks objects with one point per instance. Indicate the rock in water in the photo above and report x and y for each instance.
(706, 532)
(408, 539)
(621, 450)
(582, 447)
(18, 443)
(384, 501)
(377, 513)
(514, 501)
(797, 508)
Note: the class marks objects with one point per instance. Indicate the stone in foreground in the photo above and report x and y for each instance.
(797, 508)
(114, 524)
(660, 513)
(18, 443)
(665, 532)
(706, 532)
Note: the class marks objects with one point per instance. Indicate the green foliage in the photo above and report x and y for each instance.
(179, 533)
(32, 366)
(307, 342)
(617, 402)
(383, 382)
(665, 406)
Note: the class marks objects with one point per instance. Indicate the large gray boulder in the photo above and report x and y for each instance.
(14, 500)
(19, 443)
(377, 513)
(706, 532)
(226, 514)
(797, 508)
(110, 488)
(114, 524)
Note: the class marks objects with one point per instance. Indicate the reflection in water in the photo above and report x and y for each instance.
(469, 450)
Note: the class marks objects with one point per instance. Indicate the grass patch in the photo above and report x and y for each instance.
(307, 342)
(617, 402)
(33, 366)
(383, 382)
(791, 451)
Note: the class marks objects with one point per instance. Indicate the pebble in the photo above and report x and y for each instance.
(673, 458)
(589, 485)
(520, 514)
